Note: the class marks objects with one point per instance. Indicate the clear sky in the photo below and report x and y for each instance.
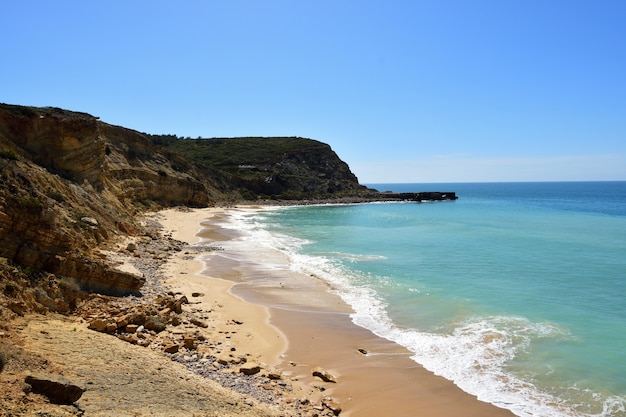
(403, 91)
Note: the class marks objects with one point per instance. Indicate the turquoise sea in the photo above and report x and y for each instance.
(516, 291)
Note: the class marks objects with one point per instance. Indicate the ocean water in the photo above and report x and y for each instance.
(516, 291)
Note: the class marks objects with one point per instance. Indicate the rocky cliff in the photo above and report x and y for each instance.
(273, 167)
(70, 182)
(111, 159)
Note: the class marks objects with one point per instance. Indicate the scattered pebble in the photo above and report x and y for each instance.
(158, 321)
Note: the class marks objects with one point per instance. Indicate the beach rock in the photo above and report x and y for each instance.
(98, 325)
(222, 360)
(323, 374)
(274, 375)
(58, 389)
(332, 405)
(250, 368)
(143, 342)
(155, 323)
(190, 342)
(177, 305)
(130, 338)
(121, 321)
(171, 348)
(198, 322)
(90, 221)
(225, 359)
(137, 317)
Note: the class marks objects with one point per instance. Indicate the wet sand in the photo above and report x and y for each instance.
(184, 275)
(295, 324)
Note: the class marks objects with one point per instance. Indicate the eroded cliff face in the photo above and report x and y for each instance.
(47, 223)
(113, 159)
(60, 168)
(70, 182)
(68, 146)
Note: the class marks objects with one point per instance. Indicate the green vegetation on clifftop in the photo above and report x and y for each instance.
(275, 167)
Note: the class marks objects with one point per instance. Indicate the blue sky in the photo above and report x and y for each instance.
(404, 91)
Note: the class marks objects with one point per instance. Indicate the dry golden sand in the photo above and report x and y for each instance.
(296, 336)
(184, 276)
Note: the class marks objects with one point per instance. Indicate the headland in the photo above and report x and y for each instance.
(82, 260)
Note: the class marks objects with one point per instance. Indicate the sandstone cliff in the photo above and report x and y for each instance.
(80, 148)
(70, 182)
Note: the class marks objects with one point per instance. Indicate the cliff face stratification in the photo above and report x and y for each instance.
(50, 224)
(84, 150)
(69, 182)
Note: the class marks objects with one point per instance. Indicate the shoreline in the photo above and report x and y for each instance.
(374, 376)
(184, 275)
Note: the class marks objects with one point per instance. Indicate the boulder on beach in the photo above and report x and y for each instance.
(323, 374)
(58, 389)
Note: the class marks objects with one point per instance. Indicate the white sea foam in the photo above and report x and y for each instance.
(353, 257)
(474, 354)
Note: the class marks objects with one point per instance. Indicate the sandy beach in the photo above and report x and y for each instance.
(184, 275)
(297, 326)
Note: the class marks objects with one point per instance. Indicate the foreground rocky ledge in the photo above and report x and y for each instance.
(156, 354)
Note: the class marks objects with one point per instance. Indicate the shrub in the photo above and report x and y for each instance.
(10, 288)
(56, 195)
(9, 154)
(28, 203)
(69, 284)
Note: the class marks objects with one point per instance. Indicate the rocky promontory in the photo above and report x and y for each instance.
(72, 187)
(70, 182)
